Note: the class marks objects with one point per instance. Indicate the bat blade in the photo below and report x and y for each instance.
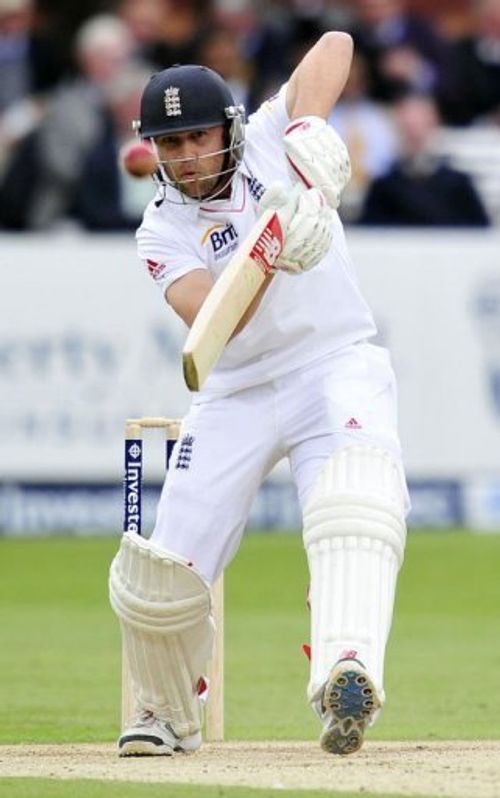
(230, 297)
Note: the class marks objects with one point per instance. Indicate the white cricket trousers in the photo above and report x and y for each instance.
(228, 446)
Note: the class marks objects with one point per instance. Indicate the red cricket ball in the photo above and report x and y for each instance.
(138, 158)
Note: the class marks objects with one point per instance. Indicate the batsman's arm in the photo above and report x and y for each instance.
(188, 293)
(318, 81)
(316, 154)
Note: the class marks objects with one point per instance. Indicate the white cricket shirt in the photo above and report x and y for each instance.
(301, 318)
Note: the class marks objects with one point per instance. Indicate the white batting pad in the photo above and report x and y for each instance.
(164, 609)
(354, 535)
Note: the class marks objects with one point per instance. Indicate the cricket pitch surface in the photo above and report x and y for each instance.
(451, 769)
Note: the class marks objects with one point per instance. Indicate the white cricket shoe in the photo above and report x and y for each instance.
(348, 704)
(150, 736)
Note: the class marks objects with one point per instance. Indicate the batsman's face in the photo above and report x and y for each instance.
(193, 160)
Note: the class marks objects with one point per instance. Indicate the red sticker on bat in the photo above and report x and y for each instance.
(269, 245)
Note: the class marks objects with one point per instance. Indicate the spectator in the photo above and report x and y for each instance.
(221, 52)
(31, 64)
(471, 89)
(420, 189)
(185, 25)
(105, 198)
(145, 21)
(274, 48)
(404, 52)
(368, 132)
(30, 61)
(39, 184)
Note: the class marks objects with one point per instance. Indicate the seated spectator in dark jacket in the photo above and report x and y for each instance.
(471, 89)
(419, 188)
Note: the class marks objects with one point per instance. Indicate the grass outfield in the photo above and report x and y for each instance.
(60, 667)
(48, 788)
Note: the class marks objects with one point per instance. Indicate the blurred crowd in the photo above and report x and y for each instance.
(420, 112)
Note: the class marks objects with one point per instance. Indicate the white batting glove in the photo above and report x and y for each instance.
(307, 221)
(318, 157)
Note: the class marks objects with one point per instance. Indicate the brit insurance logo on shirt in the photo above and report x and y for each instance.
(222, 240)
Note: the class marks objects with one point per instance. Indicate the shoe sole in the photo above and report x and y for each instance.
(351, 697)
(143, 747)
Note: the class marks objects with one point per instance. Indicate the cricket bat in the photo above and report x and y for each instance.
(230, 297)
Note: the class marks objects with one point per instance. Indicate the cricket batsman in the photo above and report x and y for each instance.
(298, 379)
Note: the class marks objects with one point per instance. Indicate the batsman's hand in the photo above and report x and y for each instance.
(317, 157)
(307, 222)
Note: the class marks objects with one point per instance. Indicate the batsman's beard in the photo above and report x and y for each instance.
(189, 177)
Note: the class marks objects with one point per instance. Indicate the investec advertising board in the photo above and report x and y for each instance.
(86, 341)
